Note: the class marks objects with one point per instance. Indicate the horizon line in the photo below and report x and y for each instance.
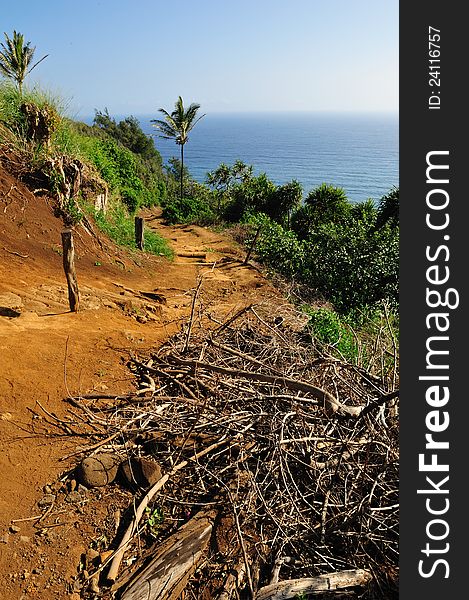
(394, 112)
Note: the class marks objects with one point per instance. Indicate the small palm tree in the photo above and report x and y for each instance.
(177, 125)
(16, 58)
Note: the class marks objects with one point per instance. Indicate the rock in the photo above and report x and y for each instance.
(24, 539)
(46, 500)
(98, 470)
(14, 529)
(5, 538)
(9, 300)
(74, 497)
(141, 472)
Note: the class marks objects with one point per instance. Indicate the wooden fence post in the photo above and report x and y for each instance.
(69, 268)
(139, 233)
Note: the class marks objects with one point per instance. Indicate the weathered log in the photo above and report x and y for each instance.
(139, 228)
(175, 561)
(314, 585)
(192, 255)
(69, 268)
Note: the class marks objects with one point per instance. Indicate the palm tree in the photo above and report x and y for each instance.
(177, 125)
(16, 58)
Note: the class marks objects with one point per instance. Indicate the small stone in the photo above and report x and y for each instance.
(14, 529)
(98, 470)
(74, 497)
(4, 539)
(73, 485)
(141, 472)
(47, 489)
(24, 539)
(35, 571)
(46, 500)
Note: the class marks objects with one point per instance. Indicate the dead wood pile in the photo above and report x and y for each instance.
(293, 455)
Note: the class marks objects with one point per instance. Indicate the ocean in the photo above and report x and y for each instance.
(358, 152)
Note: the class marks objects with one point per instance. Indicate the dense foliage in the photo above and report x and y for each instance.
(348, 253)
(49, 144)
(129, 133)
(346, 257)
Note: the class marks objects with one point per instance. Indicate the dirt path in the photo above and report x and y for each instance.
(47, 353)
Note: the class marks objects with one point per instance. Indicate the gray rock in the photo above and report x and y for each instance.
(74, 497)
(98, 470)
(46, 500)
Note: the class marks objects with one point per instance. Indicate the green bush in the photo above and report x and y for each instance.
(188, 210)
(277, 247)
(353, 265)
(348, 261)
(367, 336)
(119, 167)
(333, 332)
(324, 204)
(129, 133)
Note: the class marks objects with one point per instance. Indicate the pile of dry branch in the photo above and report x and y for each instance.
(280, 468)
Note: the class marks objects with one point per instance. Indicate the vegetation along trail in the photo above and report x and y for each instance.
(214, 414)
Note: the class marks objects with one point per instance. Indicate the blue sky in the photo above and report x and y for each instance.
(230, 56)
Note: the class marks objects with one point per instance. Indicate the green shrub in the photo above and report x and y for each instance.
(119, 167)
(367, 336)
(352, 265)
(324, 204)
(188, 210)
(277, 247)
(348, 262)
(334, 333)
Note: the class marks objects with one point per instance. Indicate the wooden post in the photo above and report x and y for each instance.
(69, 268)
(139, 233)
